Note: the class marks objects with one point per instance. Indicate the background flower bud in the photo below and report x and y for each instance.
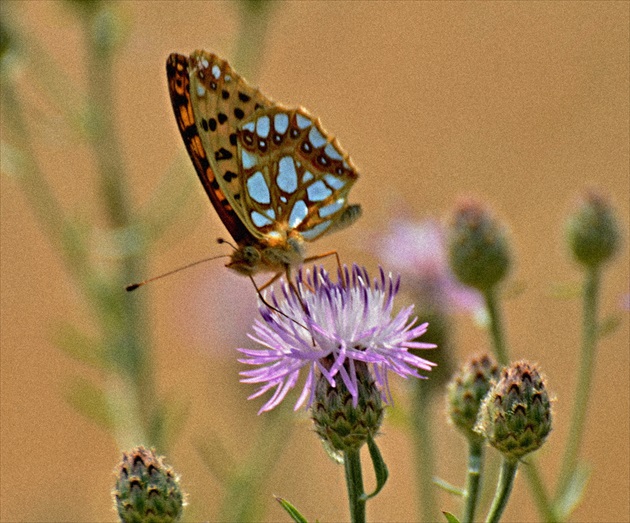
(466, 391)
(592, 231)
(478, 248)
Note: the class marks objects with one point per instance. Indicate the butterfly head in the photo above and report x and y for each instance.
(271, 255)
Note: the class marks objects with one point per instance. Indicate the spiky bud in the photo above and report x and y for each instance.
(478, 249)
(466, 391)
(147, 491)
(515, 416)
(592, 231)
(340, 424)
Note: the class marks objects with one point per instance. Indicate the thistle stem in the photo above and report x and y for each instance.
(473, 479)
(354, 483)
(504, 488)
(496, 326)
(424, 455)
(539, 492)
(584, 381)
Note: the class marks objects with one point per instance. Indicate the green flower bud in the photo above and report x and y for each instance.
(592, 231)
(147, 491)
(467, 390)
(478, 248)
(341, 425)
(515, 415)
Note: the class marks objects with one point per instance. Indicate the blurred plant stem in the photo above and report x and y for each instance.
(254, 18)
(126, 325)
(421, 422)
(497, 330)
(127, 400)
(473, 479)
(584, 380)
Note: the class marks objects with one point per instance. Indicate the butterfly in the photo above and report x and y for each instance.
(274, 176)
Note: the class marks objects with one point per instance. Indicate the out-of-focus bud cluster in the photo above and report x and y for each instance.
(467, 390)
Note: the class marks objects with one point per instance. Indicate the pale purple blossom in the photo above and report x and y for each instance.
(416, 249)
(326, 329)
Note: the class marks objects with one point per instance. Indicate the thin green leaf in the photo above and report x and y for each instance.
(380, 468)
(514, 290)
(574, 492)
(450, 517)
(216, 458)
(566, 290)
(171, 201)
(398, 417)
(609, 325)
(91, 401)
(169, 421)
(13, 162)
(80, 346)
(448, 487)
(293, 512)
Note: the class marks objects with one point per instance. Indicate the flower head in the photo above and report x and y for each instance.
(515, 416)
(327, 327)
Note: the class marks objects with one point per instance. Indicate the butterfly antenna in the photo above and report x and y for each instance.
(134, 286)
(223, 240)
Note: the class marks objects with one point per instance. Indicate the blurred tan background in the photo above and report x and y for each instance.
(523, 104)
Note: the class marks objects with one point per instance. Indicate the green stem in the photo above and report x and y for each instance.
(473, 479)
(584, 381)
(496, 326)
(122, 316)
(354, 483)
(504, 488)
(539, 492)
(254, 18)
(424, 454)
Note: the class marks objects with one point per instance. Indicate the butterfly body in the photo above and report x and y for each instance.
(274, 176)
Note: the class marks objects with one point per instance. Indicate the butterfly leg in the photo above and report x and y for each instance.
(267, 304)
(326, 255)
(270, 282)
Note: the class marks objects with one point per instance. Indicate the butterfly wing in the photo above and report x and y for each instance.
(210, 100)
(295, 175)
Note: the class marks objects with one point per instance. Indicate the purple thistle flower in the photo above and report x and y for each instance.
(330, 327)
